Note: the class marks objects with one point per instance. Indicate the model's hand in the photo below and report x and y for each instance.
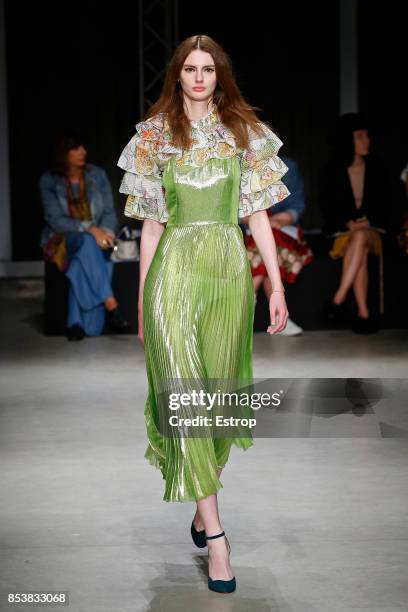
(278, 312)
(140, 333)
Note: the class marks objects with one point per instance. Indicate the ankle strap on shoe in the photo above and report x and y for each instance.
(219, 535)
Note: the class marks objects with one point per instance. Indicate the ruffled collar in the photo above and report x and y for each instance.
(207, 121)
(210, 138)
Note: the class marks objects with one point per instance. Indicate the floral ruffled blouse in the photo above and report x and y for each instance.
(147, 154)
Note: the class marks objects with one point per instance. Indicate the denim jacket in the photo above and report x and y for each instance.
(295, 202)
(54, 200)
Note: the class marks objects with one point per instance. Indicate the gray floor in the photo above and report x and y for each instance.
(316, 522)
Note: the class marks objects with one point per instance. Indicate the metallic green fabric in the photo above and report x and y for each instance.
(198, 309)
(198, 301)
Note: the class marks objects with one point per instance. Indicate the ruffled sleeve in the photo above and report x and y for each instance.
(142, 181)
(261, 173)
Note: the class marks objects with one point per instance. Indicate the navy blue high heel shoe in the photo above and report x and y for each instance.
(199, 538)
(221, 586)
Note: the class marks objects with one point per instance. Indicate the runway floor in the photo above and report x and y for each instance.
(316, 519)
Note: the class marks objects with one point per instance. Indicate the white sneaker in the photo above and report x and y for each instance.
(291, 329)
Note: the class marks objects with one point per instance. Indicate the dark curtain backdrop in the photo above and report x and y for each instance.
(78, 67)
(383, 91)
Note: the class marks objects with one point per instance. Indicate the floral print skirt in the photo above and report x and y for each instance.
(293, 254)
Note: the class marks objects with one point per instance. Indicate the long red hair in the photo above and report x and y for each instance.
(235, 113)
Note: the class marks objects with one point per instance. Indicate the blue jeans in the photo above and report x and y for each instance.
(90, 275)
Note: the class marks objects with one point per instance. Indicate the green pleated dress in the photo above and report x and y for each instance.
(198, 299)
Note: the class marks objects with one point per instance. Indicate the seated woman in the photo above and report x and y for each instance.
(354, 200)
(78, 236)
(293, 251)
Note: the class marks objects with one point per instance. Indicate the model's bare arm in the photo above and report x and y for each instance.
(151, 232)
(262, 233)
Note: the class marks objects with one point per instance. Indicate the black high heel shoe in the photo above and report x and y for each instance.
(335, 314)
(365, 326)
(222, 586)
(75, 333)
(199, 538)
(117, 321)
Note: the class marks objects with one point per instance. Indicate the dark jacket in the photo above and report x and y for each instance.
(295, 202)
(336, 197)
